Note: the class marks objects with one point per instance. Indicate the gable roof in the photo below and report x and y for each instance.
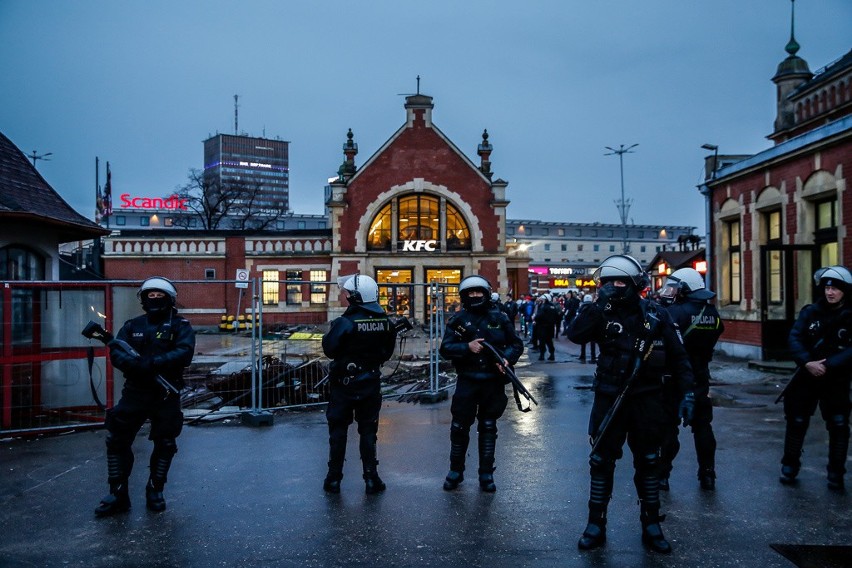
(422, 99)
(25, 195)
(676, 258)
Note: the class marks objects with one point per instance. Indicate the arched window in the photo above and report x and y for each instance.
(418, 218)
(20, 263)
(458, 235)
(379, 237)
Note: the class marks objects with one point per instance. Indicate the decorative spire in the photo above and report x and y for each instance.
(792, 46)
(484, 151)
(350, 150)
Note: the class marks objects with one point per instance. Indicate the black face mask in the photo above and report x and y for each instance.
(156, 306)
(618, 295)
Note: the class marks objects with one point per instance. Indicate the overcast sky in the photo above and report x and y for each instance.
(142, 83)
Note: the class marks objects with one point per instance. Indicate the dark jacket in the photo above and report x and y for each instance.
(823, 333)
(700, 327)
(493, 326)
(166, 346)
(617, 331)
(361, 337)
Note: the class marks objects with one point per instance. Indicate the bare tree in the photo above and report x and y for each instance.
(231, 205)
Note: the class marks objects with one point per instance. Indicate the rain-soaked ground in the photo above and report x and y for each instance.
(243, 496)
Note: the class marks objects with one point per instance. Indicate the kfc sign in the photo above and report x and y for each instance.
(173, 202)
(419, 246)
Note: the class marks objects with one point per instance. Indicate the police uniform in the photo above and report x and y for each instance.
(481, 388)
(624, 325)
(165, 344)
(700, 326)
(359, 342)
(822, 331)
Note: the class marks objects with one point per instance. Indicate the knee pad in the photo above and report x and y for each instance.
(487, 426)
(166, 447)
(649, 461)
(367, 428)
(117, 441)
(800, 421)
(598, 464)
(459, 429)
(837, 422)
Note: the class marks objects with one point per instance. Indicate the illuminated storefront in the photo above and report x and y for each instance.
(418, 214)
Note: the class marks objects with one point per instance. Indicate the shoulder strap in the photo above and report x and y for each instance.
(695, 321)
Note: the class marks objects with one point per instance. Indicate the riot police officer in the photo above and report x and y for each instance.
(157, 344)
(358, 342)
(688, 302)
(638, 344)
(821, 345)
(480, 389)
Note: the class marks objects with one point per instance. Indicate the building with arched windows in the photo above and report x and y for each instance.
(780, 214)
(417, 211)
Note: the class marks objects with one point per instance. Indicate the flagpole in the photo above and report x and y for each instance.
(97, 188)
(108, 195)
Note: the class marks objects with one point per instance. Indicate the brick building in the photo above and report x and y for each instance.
(780, 214)
(417, 211)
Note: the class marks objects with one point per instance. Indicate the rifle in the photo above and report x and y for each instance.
(94, 330)
(795, 376)
(644, 346)
(466, 333)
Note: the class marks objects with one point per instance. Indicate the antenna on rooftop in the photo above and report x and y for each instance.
(236, 116)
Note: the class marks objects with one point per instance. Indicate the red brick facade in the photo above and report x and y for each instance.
(418, 160)
(792, 207)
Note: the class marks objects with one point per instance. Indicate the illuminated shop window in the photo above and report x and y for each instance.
(825, 235)
(419, 219)
(772, 221)
(270, 287)
(319, 288)
(734, 280)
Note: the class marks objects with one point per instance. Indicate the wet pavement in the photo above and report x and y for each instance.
(243, 496)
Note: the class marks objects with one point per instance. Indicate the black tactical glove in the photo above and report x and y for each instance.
(145, 365)
(687, 408)
(607, 292)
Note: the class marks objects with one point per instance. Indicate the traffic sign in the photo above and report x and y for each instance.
(242, 278)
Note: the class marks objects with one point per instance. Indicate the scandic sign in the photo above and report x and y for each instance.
(173, 202)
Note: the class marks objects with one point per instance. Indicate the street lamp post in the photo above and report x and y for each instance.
(622, 205)
(715, 149)
(708, 215)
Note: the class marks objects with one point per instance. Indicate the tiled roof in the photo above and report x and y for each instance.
(25, 194)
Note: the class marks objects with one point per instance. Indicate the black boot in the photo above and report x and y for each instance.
(373, 483)
(595, 534)
(647, 483)
(600, 491)
(652, 533)
(119, 466)
(367, 445)
(453, 479)
(487, 446)
(118, 501)
(161, 461)
(333, 477)
(154, 499)
(794, 440)
(459, 441)
(788, 474)
(838, 446)
(707, 479)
